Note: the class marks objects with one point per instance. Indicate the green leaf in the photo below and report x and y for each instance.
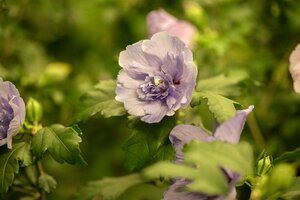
(221, 107)
(204, 179)
(144, 192)
(288, 156)
(61, 142)
(10, 162)
(237, 157)
(147, 143)
(165, 152)
(108, 188)
(293, 193)
(225, 85)
(100, 100)
(46, 182)
(202, 166)
(281, 178)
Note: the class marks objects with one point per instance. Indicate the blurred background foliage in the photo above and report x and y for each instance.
(56, 50)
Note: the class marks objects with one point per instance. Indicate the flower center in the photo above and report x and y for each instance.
(6, 115)
(155, 87)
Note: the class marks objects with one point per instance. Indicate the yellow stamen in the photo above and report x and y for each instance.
(157, 81)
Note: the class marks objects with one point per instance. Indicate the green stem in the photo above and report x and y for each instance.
(255, 131)
(25, 191)
(276, 79)
(41, 172)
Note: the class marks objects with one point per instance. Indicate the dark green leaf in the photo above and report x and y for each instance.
(221, 107)
(61, 142)
(288, 156)
(144, 145)
(9, 163)
(165, 152)
(108, 188)
(100, 100)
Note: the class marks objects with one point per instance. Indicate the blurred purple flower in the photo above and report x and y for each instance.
(157, 77)
(160, 20)
(229, 131)
(12, 112)
(295, 68)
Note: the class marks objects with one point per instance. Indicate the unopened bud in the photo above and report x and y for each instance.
(264, 165)
(34, 111)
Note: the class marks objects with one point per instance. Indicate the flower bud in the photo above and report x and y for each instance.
(34, 111)
(264, 165)
(195, 13)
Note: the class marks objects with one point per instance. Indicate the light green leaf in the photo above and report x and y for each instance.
(147, 143)
(236, 157)
(205, 179)
(221, 107)
(202, 166)
(9, 163)
(225, 85)
(144, 192)
(293, 193)
(61, 142)
(281, 178)
(100, 100)
(46, 182)
(168, 169)
(108, 188)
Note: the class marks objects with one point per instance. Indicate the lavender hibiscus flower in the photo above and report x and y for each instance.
(12, 112)
(229, 131)
(295, 68)
(157, 77)
(160, 20)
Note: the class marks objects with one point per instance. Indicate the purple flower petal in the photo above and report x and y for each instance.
(183, 134)
(231, 130)
(177, 192)
(12, 112)
(157, 77)
(160, 20)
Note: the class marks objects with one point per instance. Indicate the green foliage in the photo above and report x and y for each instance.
(108, 188)
(143, 192)
(34, 111)
(280, 179)
(61, 142)
(225, 85)
(46, 182)
(202, 165)
(292, 193)
(288, 156)
(221, 107)
(68, 53)
(100, 100)
(148, 143)
(10, 162)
